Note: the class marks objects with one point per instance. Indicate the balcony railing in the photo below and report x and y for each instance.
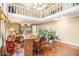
(58, 7)
(51, 10)
(16, 9)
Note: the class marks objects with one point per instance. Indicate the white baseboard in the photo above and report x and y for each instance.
(70, 43)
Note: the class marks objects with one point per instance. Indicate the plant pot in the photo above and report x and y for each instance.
(50, 44)
(50, 41)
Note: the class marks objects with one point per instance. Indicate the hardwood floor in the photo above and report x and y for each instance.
(58, 49)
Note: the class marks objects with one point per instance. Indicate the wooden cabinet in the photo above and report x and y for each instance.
(28, 47)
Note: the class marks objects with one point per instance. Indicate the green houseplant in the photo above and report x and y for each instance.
(52, 35)
(48, 34)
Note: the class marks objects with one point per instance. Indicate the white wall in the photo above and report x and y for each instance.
(66, 28)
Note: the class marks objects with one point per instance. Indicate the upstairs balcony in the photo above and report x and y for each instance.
(25, 11)
(22, 14)
(50, 9)
(57, 7)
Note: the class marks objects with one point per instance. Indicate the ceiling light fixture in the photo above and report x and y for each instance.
(11, 29)
(22, 24)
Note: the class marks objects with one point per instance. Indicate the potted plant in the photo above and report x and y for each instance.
(50, 35)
